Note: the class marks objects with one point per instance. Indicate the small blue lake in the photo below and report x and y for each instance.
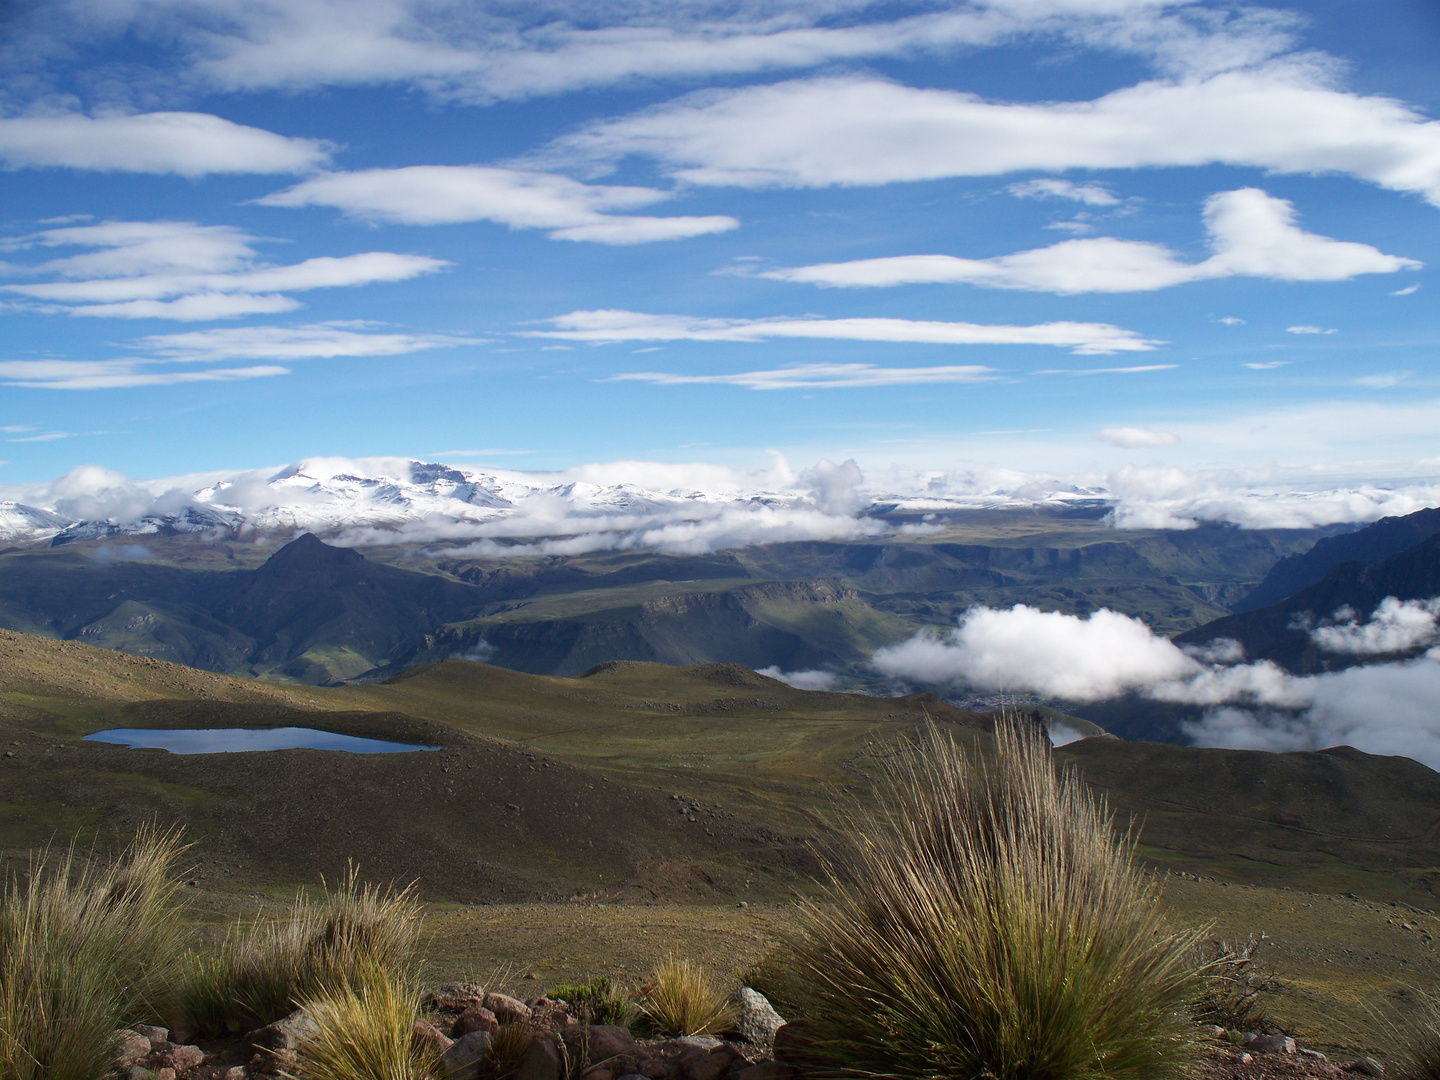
(239, 740)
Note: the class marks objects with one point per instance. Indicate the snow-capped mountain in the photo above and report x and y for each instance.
(389, 501)
(620, 505)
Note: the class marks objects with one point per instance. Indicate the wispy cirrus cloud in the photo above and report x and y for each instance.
(821, 376)
(616, 326)
(187, 272)
(520, 199)
(183, 143)
(1251, 233)
(115, 374)
(480, 52)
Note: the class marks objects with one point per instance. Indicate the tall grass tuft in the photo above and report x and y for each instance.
(366, 1029)
(681, 998)
(988, 922)
(259, 973)
(1236, 988)
(1420, 1044)
(86, 947)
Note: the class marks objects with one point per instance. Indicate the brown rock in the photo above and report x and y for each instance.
(182, 1035)
(1270, 1044)
(598, 1072)
(656, 1069)
(427, 1035)
(154, 1034)
(235, 1072)
(710, 1066)
(506, 1009)
(475, 1018)
(454, 997)
(464, 1057)
(182, 1058)
(541, 1062)
(133, 1049)
(165, 1074)
(599, 1042)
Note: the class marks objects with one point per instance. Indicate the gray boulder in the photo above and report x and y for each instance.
(756, 1020)
(288, 1033)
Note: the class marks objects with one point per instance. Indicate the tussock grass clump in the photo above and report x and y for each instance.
(86, 946)
(1236, 988)
(988, 922)
(601, 1001)
(258, 974)
(1420, 1044)
(507, 1052)
(366, 1029)
(681, 998)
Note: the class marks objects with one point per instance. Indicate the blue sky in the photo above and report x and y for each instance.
(1111, 240)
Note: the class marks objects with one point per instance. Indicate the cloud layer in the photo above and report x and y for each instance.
(1251, 233)
(1385, 708)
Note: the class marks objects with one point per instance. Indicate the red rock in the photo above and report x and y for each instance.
(131, 1051)
(506, 1009)
(182, 1058)
(427, 1035)
(655, 1069)
(475, 1018)
(541, 1061)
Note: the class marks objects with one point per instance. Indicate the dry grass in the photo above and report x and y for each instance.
(681, 998)
(366, 1029)
(1420, 1045)
(1236, 988)
(324, 945)
(988, 922)
(85, 948)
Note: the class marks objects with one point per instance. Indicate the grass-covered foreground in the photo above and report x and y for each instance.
(977, 918)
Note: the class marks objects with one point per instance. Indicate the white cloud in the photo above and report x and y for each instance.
(1284, 117)
(1251, 233)
(49, 436)
(1383, 380)
(183, 271)
(817, 376)
(1133, 438)
(1395, 626)
(315, 340)
(114, 374)
(613, 325)
(1309, 330)
(1232, 320)
(483, 51)
(447, 194)
(1089, 194)
(1022, 648)
(803, 680)
(1409, 290)
(190, 144)
(1265, 365)
(1381, 708)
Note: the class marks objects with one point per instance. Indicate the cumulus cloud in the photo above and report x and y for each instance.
(614, 326)
(184, 271)
(1285, 117)
(448, 194)
(1251, 233)
(1396, 626)
(810, 679)
(1380, 708)
(189, 144)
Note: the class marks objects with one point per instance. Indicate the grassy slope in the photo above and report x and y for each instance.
(592, 764)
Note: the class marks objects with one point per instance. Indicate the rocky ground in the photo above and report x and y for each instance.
(464, 1024)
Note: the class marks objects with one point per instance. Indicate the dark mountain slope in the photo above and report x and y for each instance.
(1277, 632)
(1372, 544)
